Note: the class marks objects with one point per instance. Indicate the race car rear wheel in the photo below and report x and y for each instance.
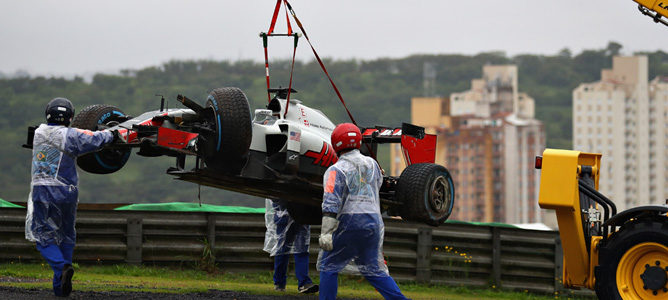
(227, 149)
(104, 161)
(427, 193)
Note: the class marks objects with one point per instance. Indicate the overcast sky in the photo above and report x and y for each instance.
(83, 36)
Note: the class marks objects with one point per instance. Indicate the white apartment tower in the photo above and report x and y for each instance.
(623, 117)
(487, 138)
(496, 92)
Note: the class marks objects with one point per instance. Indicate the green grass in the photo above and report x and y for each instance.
(184, 280)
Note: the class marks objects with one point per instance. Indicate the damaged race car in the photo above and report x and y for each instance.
(281, 152)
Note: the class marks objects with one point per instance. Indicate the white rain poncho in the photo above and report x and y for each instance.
(351, 193)
(284, 235)
(54, 190)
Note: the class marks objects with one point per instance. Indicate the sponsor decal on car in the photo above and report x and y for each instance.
(382, 132)
(326, 157)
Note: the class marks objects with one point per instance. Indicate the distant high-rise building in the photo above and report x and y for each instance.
(428, 79)
(488, 139)
(624, 117)
(495, 93)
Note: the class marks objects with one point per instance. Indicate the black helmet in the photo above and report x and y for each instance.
(59, 111)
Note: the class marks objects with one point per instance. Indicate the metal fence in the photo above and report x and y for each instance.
(453, 254)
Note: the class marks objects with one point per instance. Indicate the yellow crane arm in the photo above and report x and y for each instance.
(655, 9)
(559, 191)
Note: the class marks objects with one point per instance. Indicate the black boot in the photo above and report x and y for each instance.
(308, 288)
(66, 281)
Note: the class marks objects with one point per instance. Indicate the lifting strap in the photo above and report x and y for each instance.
(275, 16)
(292, 12)
(264, 36)
(322, 65)
(292, 68)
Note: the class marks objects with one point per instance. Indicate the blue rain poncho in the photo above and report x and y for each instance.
(54, 187)
(351, 188)
(284, 235)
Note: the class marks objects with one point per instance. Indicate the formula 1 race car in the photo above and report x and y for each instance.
(282, 153)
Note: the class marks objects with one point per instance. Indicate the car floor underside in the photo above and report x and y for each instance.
(299, 191)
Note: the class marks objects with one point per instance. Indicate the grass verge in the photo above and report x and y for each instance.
(186, 280)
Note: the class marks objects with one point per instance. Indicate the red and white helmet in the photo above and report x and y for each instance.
(346, 136)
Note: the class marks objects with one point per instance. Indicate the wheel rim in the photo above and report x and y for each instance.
(641, 273)
(440, 194)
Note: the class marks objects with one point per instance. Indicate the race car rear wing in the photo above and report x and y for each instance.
(416, 145)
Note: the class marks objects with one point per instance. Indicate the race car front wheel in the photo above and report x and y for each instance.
(427, 193)
(226, 150)
(104, 161)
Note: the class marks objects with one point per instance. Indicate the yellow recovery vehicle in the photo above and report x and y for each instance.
(619, 255)
(655, 9)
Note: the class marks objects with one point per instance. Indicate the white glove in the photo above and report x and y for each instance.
(329, 225)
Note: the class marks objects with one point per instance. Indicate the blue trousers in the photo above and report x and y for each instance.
(54, 214)
(281, 269)
(385, 285)
(57, 257)
(290, 235)
(359, 238)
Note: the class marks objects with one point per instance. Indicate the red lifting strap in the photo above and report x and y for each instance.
(288, 19)
(266, 55)
(322, 65)
(275, 16)
(292, 68)
(320, 61)
(277, 8)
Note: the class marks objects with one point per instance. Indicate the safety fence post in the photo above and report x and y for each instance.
(558, 266)
(496, 256)
(134, 239)
(424, 247)
(211, 230)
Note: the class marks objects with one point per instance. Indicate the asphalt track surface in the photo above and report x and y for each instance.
(30, 294)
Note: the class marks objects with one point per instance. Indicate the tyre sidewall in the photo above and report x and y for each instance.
(227, 149)
(415, 190)
(611, 254)
(104, 161)
(435, 217)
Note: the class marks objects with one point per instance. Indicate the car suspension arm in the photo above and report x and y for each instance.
(190, 104)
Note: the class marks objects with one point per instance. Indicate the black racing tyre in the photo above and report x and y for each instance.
(305, 214)
(104, 161)
(227, 149)
(427, 193)
(633, 264)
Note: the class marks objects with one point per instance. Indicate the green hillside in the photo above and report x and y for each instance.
(378, 92)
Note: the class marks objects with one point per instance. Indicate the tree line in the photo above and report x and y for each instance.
(377, 92)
